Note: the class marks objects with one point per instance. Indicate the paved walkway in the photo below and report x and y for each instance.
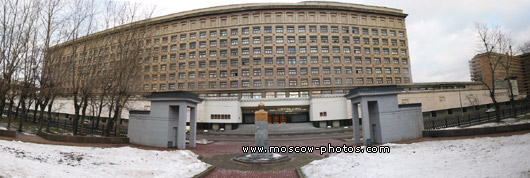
(219, 153)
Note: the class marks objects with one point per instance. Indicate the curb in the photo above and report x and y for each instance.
(300, 173)
(205, 172)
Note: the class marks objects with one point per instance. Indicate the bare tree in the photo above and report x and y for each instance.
(525, 48)
(495, 43)
(125, 72)
(16, 26)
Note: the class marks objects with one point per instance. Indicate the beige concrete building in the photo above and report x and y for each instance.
(296, 57)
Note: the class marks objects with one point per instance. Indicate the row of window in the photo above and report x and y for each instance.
(281, 50)
(279, 71)
(278, 83)
(277, 60)
(278, 39)
(276, 29)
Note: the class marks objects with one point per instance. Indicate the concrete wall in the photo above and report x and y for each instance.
(406, 123)
(219, 106)
(334, 105)
(446, 99)
(146, 130)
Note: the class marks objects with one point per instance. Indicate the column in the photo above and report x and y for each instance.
(193, 126)
(355, 118)
(181, 129)
(367, 137)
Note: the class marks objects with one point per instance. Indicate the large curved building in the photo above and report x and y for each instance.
(297, 58)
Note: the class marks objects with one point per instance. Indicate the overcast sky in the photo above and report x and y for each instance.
(441, 34)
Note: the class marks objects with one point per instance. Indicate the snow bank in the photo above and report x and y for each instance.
(480, 157)
(19, 159)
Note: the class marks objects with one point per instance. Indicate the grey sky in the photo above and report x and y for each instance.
(441, 34)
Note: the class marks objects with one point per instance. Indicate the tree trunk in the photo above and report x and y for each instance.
(24, 115)
(83, 114)
(49, 113)
(37, 101)
(9, 113)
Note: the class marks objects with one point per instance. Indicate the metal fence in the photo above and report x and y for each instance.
(89, 129)
(475, 118)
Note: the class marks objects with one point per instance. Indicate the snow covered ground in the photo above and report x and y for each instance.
(19, 159)
(480, 157)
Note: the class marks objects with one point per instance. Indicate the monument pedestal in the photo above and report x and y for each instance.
(261, 139)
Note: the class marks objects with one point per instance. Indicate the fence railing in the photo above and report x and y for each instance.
(89, 129)
(475, 118)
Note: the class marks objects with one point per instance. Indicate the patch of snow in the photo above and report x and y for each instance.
(276, 155)
(479, 157)
(3, 128)
(19, 159)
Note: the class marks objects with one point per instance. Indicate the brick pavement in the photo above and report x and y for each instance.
(223, 173)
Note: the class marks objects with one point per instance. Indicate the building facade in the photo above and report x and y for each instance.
(299, 59)
(481, 71)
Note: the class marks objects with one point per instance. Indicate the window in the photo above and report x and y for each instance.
(312, 29)
(325, 70)
(301, 39)
(314, 60)
(256, 40)
(245, 31)
(326, 81)
(323, 114)
(290, 29)
(334, 29)
(337, 70)
(314, 70)
(269, 83)
(292, 60)
(348, 70)
(268, 30)
(279, 29)
(345, 30)
(388, 80)
(374, 32)
(368, 70)
(387, 70)
(257, 83)
(324, 29)
(292, 71)
(279, 39)
(315, 82)
(224, 33)
(245, 83)
(281, 82)
(233, 41)
(303, 71)
(365, 31)
(303, 60)
(405, 71)
(233, 31)
(268, 71)
(338, 81)
(244, 41)
(302, 49)
(358, 70)
(280, 71)
(268, 39)
(256, 30)
(245, 72)
(257, 72)
(279, 50)
(378, 70)
(292, 82)
(291, 50)
(301, 29)
(290, 39)
(359, 80)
